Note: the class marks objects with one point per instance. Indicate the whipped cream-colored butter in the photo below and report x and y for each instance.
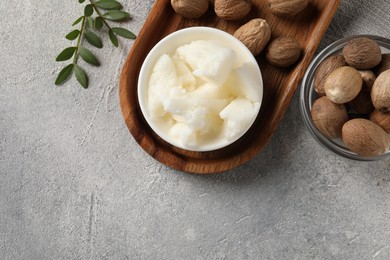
(201, 93)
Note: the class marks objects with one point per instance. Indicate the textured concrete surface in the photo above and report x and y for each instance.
(75, 185)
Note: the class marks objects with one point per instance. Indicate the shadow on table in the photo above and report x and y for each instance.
(277, 160)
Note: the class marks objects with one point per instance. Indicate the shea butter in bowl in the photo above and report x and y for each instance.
(200, 89)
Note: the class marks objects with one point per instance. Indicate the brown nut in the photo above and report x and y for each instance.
(255, 35)
(362, 53)
(287, 8)
(324, 69)
(190, 8)
(384, 65)
(232, 9)
(328, 117)
(365, 137)
(343, 85)
(368, 78)
(380, 93)
(283, 52)
(381, 119)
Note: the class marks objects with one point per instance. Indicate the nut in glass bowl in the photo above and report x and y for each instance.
(349, 120)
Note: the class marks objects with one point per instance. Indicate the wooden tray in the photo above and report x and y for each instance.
(279, 84)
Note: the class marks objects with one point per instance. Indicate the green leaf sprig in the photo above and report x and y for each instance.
(104, 10)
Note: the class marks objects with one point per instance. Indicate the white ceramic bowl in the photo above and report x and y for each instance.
(167, 46)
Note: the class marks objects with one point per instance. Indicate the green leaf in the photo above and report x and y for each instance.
(116, 15)
(77, 21)
(98, 23)
(88, 56)
(88, 10)
(113, 38)
(90, 22)
(93, 39)
(124, 33)
(72, 35)
(64, 74)
(108, 4)
(66, 54)
(81, 1)
(81, 76)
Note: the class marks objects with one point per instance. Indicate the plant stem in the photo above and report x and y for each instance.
(99, 14)
(76, 54)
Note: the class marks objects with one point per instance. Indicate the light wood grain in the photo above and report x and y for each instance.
(279, 84)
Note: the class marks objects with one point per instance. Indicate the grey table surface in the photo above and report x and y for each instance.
(75, 185)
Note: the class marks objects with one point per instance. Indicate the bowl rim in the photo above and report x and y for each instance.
(306, 89)
(148, 63)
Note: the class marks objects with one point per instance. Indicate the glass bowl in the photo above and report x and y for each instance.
(308, 96)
